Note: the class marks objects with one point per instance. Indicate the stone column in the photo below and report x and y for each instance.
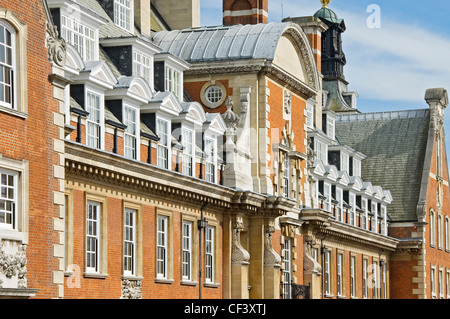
(272, 265)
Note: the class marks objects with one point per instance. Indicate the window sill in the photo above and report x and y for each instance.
(12, 235)
(164, 281)
(95, 275)
(189, 283)
(211, 285)
(132, 278)
(13, 112)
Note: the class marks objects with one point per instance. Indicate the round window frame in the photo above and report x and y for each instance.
(204, 91)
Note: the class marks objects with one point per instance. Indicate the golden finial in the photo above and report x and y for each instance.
(325, 3)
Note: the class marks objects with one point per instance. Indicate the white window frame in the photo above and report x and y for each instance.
(164, 149)
(439, 231)
(345, 160)
(340, 205)
(356, 167)
(433, 281)
(432, 228)
(327, 272)
(352, 203)
(441, 282)
(365, 219)
(131, 134)
(93, 121)
(173, 80)
(210, 159)
(327, 193)
(6, 192)
(188, 160)
(339, 274)
(352, 276)
(447, 235)
(375, 280)
(83, 37)
(331, 127)
(124, 14)
(9, 65)
(321, 150)
(129, 250)
(287, 267)
(93, 235)
(187, 237)
(375, 216)
(210, 254)
(364, 279)
(384, 220)
(142, 66)
(162, 247)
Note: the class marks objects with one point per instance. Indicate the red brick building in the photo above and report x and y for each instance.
(31, 152)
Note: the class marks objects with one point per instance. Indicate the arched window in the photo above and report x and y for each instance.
(7, 65)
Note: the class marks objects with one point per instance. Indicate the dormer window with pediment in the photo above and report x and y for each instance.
(328, 123)
(79, 26)
(169, 74)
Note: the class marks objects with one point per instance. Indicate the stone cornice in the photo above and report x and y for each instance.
(111, 170)
(326, 224)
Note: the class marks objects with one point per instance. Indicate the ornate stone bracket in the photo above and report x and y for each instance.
(309, 263)
(238, 254)
(55, 44)
(271, 257)
(131, 289)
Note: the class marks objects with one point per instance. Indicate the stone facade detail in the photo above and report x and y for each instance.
(131, 289)
(13, 266)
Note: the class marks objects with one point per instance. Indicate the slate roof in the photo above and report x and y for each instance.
(222, 42)
(395, 145)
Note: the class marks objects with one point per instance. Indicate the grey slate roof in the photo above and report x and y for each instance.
(395, 146)
(223, 42)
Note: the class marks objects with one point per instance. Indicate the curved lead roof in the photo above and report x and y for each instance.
(222, 43)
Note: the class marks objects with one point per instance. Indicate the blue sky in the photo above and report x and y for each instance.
(391, 66)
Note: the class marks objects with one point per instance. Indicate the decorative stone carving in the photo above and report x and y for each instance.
(12, 265)
(421, 211)
(309, 263)
(131, 289)
(55, 44)
(238, 253)
(230, 118)
(271, 257)
(287, 101)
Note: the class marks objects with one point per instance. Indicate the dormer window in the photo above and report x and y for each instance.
(330, 127)
(345, 162)
(82, 37)
(130, 120)
(211, 160)
(124, 14)
(94, 120)
(173, 81)
(187, 139)
(162, 130)
(142, 66)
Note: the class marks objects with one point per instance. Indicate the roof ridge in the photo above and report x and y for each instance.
(385, 115)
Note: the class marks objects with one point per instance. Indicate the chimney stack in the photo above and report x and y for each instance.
(142, 18)
(245, 12)
(179, 14)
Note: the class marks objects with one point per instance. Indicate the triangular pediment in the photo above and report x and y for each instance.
(344, 178)
(319, 168)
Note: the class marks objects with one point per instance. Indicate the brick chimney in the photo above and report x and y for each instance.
(313, 28)
(245, 12)
(142, 18)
